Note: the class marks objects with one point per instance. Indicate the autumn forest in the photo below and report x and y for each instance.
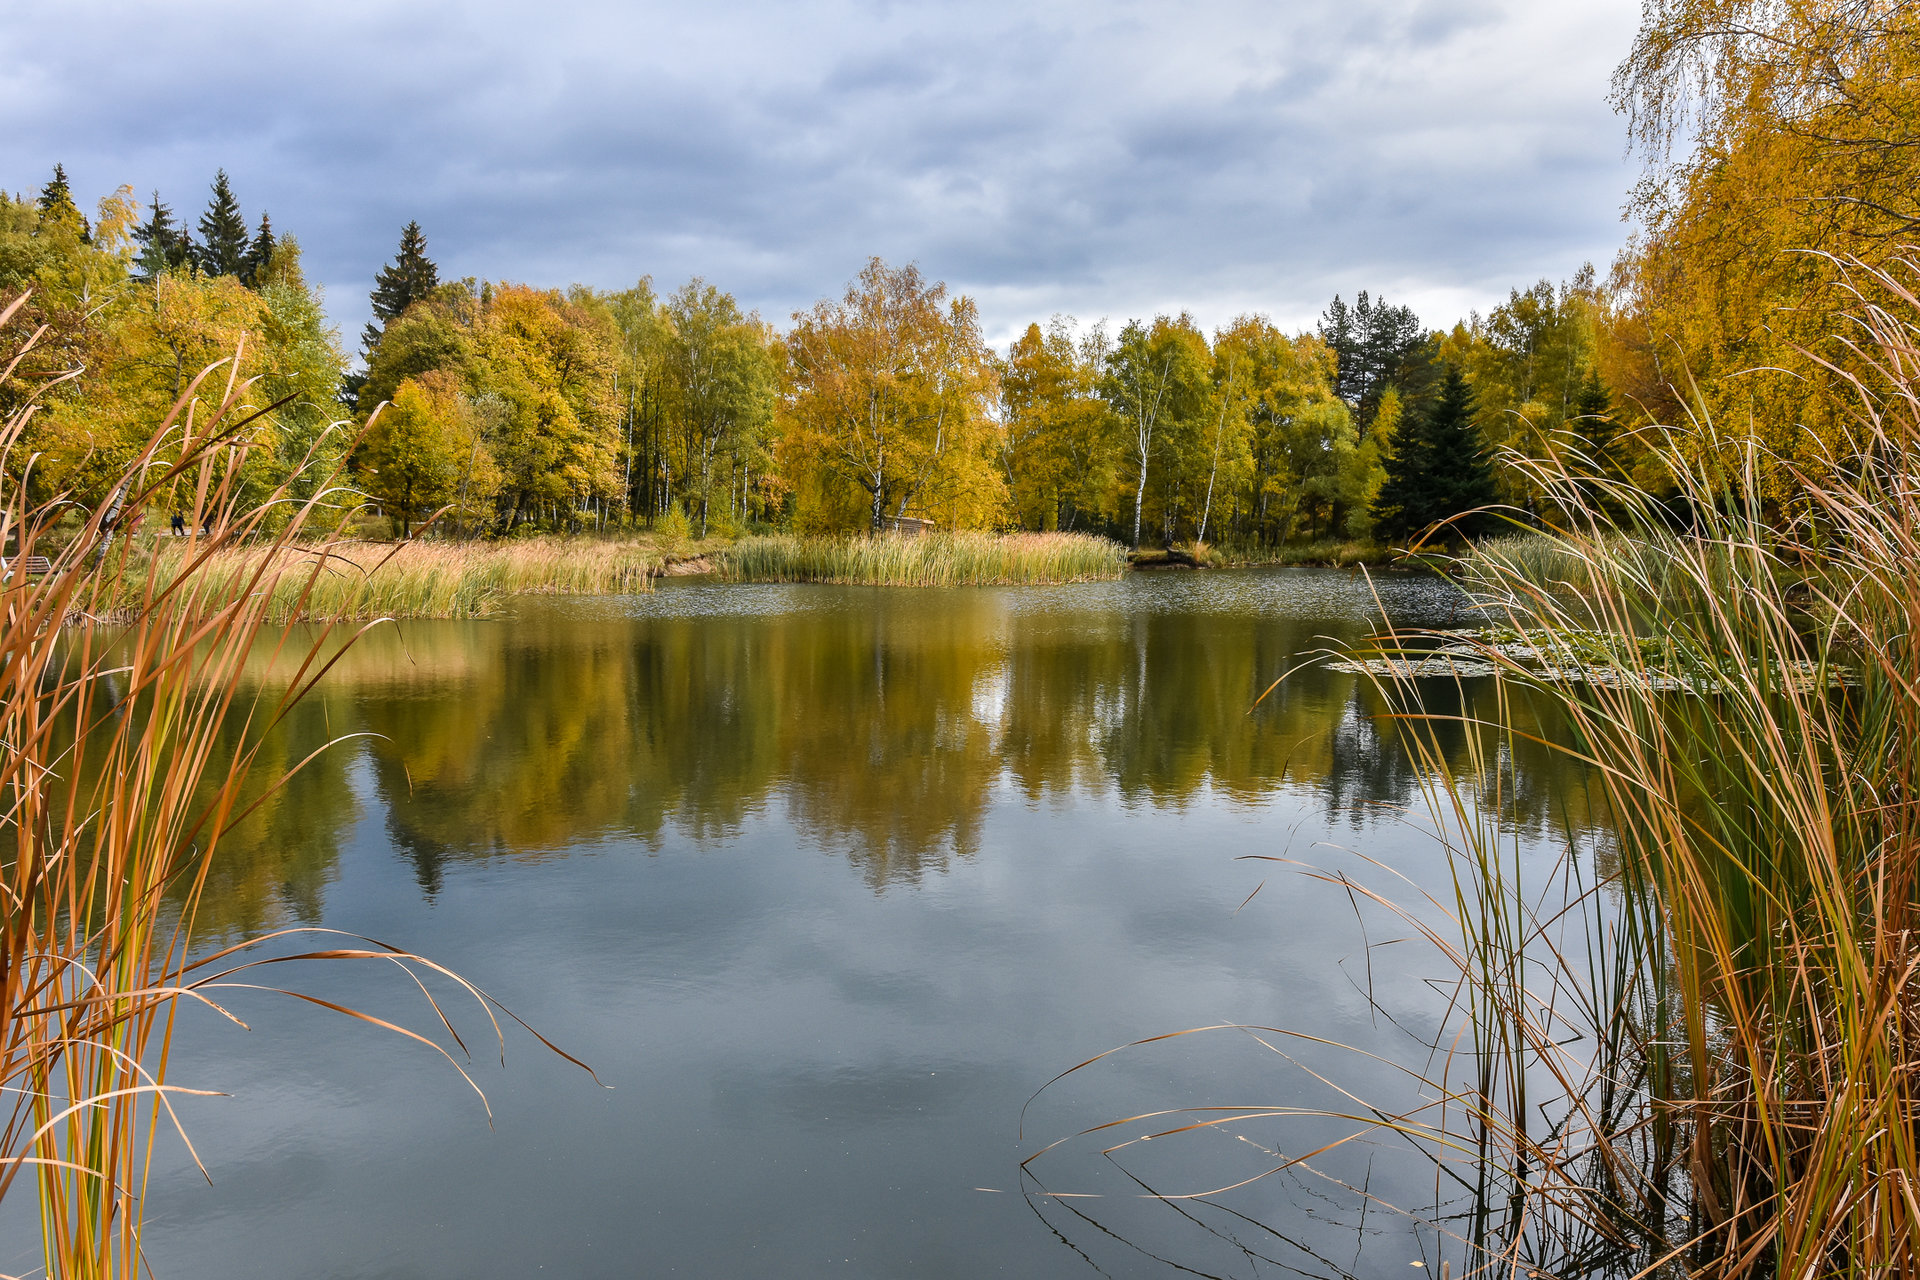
(514, 405)
(510, 405)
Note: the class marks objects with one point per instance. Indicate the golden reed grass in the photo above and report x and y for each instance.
(1718, 1071)
(417, 579)
(1691, 1046)
(116, 794)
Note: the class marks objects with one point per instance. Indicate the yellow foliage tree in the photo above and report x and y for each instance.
(1528, 362)
(1800, 117)
(888, 393)
(152, 346)
(1156, 378)
(424, 451)
(718, 366)
(1058, 450)
(1305, 471)
(550, 360)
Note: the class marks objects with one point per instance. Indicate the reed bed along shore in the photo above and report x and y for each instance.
(1700, 1054)
(354, 581)
(1546, 560)
(931, 560)
(359, 581)
(1690, 1045)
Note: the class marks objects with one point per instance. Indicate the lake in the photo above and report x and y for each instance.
(825, 884)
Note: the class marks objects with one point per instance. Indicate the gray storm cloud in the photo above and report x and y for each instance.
(1096, 159)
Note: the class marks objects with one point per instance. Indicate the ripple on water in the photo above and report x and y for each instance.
(1343, 595)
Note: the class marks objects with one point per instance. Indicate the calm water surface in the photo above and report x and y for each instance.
(825, 883)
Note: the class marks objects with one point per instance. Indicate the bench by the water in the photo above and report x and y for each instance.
(31, 566)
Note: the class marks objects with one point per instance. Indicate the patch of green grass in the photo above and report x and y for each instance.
(962, 559)
(1333, 552)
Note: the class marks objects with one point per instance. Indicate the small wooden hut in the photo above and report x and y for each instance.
(906, 526)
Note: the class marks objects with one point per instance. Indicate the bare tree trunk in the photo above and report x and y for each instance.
(626, 481)
(1139, 498)
(473, 456)
(1206, 509)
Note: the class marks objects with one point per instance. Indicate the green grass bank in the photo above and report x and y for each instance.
(932, 560)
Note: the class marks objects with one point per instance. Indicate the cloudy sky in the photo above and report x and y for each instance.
(1093, 157)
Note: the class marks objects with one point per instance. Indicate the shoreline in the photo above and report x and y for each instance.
(354, 580)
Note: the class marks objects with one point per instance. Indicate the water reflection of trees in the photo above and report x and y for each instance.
(880, 731)
(279, 857)
(281, 842)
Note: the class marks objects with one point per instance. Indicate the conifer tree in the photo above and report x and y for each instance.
(223, 232)
(57, 207)
(164, 244)
(1438, 468)
(259, 254)
(1336, 330)
(1593, 409)
(57, 195)
(1370, 341)
(410, 278)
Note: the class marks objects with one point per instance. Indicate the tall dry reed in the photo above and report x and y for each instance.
(419, 579)
(1710, 1064)
(1691, 1045)
(116, 795)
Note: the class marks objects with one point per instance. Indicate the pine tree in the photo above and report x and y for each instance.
(259, 254)
(57, 195)
(411, 278)
(1593, 409)
(57, 207)
(164, 244)
(223, 232)
(1370, 341)
(1336, 330)
(1438, 468)
(1419, 376)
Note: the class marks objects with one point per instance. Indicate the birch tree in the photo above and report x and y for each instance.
(888, 388)
(723, 379)
(1156, 376)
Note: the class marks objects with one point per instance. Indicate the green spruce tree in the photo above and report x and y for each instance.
(259, 254)
(1438, 468)
(57, 209)
(1593, 410)
(164, 243)
(1370, 342)
(223, 233)
(410, 278)
(1402, 505)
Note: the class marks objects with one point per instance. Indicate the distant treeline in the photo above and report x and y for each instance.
(515, 405)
